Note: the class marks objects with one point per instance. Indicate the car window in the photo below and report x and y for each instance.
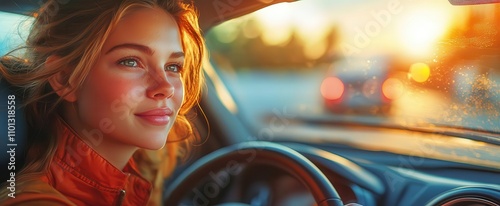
(401, 63)
(14, 30)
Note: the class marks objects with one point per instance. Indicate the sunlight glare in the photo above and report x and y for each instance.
(420, 29)
(277, 22)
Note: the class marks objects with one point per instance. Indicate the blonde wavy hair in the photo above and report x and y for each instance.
(75, 31)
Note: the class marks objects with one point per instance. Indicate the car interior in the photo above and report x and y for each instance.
(288, 156)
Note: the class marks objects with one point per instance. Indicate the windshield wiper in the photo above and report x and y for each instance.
(492, 137)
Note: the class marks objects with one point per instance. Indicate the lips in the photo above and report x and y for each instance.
(157, 117)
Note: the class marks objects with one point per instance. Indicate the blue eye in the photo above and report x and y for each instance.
(129, 63)
(173, 68)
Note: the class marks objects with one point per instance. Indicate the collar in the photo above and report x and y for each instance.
(76, 161)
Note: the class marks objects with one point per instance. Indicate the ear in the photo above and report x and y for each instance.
(57, 82)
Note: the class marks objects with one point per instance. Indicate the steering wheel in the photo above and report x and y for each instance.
(231, 157)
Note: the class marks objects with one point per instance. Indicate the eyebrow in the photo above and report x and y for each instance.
(143, 49)
(176, 55)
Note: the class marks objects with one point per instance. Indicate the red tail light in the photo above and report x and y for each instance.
(332, 88)
(392, 88)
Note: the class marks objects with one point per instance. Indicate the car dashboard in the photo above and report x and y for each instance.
(365, 173)
(372, 178)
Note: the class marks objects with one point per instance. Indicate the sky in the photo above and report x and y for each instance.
(408, 26)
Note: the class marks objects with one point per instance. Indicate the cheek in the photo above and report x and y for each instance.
(178, 98)
(107, 96)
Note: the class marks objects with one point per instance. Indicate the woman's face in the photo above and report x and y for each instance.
(134, 91)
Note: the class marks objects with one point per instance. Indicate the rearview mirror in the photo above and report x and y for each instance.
(472, 2)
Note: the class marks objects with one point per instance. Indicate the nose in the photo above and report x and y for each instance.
(160, 87)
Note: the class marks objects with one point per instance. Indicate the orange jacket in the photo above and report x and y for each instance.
(80, 176)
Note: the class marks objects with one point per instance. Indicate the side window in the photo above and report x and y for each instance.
(13, 32)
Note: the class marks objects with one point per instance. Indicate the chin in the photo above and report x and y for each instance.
(153, 147)
(155, 143)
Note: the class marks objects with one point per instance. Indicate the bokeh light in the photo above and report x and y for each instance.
(392, 88)
(332, 88)
(277, 22)
(420, 72)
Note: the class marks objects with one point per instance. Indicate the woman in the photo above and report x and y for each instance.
(103, 80)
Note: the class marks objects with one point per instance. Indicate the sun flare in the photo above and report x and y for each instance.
(422, 29)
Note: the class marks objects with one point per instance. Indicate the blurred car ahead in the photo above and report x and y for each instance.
(358, 85)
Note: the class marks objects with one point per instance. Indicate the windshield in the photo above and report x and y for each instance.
(410, 64)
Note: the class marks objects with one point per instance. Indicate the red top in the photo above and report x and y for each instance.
(80, 176)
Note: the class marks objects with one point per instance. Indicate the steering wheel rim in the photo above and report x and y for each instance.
(255, 151)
